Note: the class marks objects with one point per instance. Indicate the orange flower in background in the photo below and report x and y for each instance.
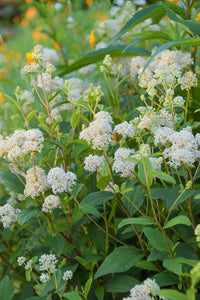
(92, 40)
(29, 56)
(198, 17)
(57, 46)
(38, 35)
(31, 13)
(28, 1)
(114, 136)
(89, 2)
(1, 39)
(103, 18)
(2, 100)
(175, 1)
(24, 22)
(16, 20)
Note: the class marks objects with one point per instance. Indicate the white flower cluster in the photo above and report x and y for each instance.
(44, 277)
(36, 182)
(60, 181)
(197, 233)
(92, 162)
(67, 275)
(28, 97)
(21, 260)
(8, 215)
(99, 132)
(48, 262)
(145, 291)
(50, 203)
(183, 147)
(125, 129)
(20, 143)
(168, 69)
(152, 121)
(50, 56)
(122, 166)
(45, 81)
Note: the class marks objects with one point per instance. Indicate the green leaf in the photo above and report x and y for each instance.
(95, 56)
(178, 220)
(133, 196)
(28, 214)
(165, 279)
(35, 298)
(87, 208)
(88, 285)
(163, 176)
(28, 275)
(171, 295)
(145, 172)
(12, 182)
(59, 144)
(142, 221)
(118, 261)
(146, 265)
(173, 265)
(99, 292)
(139, 17)
(72, 296)
(97, 199)
(59, 245)
(31, 114)
(6, 290)
(156, 239)
(120, 284)
(189, 25)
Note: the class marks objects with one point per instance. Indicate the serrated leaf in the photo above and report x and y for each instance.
(163, 176)
(12, 182)
(118, 261)
(120, 284)
(171, 295)
(178, 220)
(173, 265)
(28, 214)
(6, 290)
(35, 298)
(141, 221)
(156, 239)
(97, 199)
(72, 296)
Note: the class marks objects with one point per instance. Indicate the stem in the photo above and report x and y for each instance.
(173, 206)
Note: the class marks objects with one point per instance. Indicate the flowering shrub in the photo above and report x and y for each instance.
(100, 176)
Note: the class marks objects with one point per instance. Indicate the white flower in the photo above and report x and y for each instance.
(48, 262)
(44, 277)
(29, 265)
(60, 181)
(50, 203)
(8, 215)
(67, 275)
(21, 260)
(99, 132)
(34, 140)
(125, 129)
(50, 56)
(188, 80)
(28, 96)
(92, 162)
(36, 182)
(126, 168)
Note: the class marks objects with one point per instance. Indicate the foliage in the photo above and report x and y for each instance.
(100, 151)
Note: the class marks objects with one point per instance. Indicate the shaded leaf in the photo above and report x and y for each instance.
(178, 220)
(120, 284)
(118, 261)
(6, 290)
(142, 221)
